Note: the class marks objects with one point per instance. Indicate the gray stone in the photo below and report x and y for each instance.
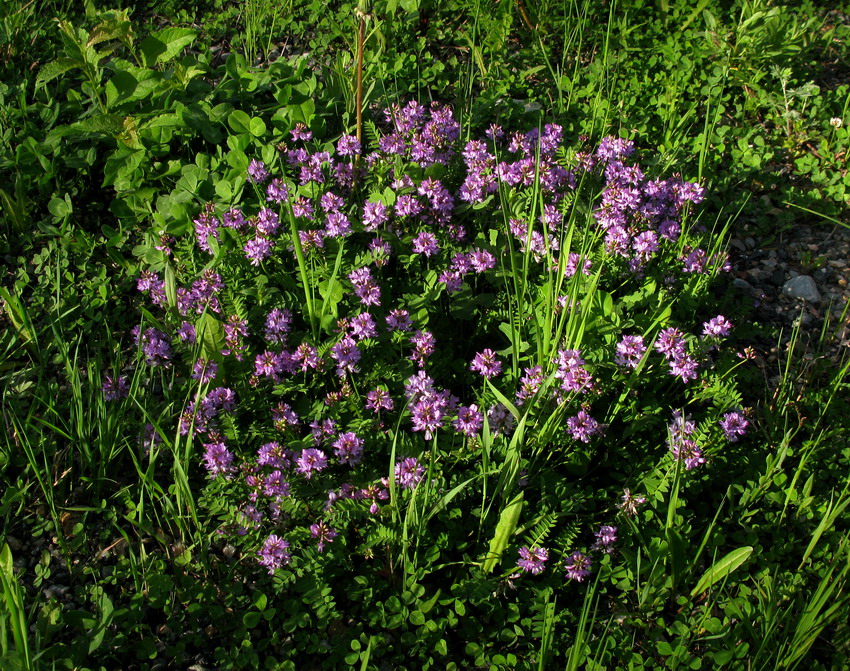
(802, 287)
(742, 285)
(738, 244)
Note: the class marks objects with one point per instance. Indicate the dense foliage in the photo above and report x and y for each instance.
(456, 382)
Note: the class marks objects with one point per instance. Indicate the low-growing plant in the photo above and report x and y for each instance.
(366, 344)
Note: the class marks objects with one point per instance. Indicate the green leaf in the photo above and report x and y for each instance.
(165, 44)
(55, 68)
(511, 408)
(257, 127)
(6, 562)
(113, 28)
(239, 122)
(504, 530)
(120, 166)
(59, 207)
(251, 620)
(132, 85)
(721, 568)
(163, 121)
(109, 124)
(210, 334)
(224, 190)
(170, 286)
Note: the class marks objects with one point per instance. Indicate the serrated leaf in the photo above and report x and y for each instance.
(55, 68)
(110, 29)
(132, 85)
(721, 568)
(164, 120)
(111, 124)
(165, 44)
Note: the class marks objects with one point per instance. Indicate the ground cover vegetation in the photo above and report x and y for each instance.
(401, 335)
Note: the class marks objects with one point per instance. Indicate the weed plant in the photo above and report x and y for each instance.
(446, 395)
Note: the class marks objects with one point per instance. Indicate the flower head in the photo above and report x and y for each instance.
(274, 553)
(409, 473)
(532, 560)
(323, 534)
(578, 566)
(486, 364)
(734, 425)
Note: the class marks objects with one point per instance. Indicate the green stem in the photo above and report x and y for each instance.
(302, 269)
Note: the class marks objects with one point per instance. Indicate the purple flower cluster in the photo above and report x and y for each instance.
(671, 343)
(630, 351)
(469, 420)
(348, 448)
(529, 384)
(274, 554)
(201, 418)
(734, 425)
(310, 462)
(155, 346)
(218, 460)
(422, 139)
(115, 388)
(682, 442)
(571, 373)
(605, 539)
(637, 219)
(323, 534)
(485, 364)
(409, 473)
(582, 426)
(578, 566)
(718, 327)
(235, 333)
(365, 287)
(532, 560)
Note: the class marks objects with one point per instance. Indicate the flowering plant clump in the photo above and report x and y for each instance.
(371, 339)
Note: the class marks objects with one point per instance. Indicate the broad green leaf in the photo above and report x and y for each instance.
(257, 126)
(224, 190)
(60, 207)
(210, 334)
(132, 85)
(721, 568)
(120, 165)
(55, 68)
(113, 28)
(111, 124)
(165, 44)
(511, 408)
(239, 122)
(164, 120)
(504, 530)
